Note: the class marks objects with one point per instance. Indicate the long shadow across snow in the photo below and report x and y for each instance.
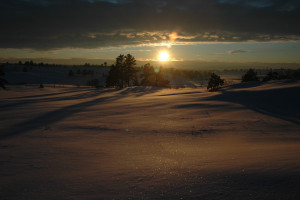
(53, 116)
(87, 94)
(140, 90)
(282, 103)
(60, 114)
(180, 93)
(50, 94)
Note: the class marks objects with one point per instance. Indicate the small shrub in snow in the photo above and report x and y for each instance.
(271, 76)
(214, 83)
(250, 75)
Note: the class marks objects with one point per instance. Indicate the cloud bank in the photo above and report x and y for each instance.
(54, 24)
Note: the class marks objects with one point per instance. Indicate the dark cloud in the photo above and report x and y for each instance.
(46, 24)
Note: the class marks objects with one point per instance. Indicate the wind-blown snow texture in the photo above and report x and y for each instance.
(150, 143)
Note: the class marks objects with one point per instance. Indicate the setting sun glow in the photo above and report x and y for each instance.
(163, 56)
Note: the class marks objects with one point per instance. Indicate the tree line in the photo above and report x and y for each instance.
(31, 63)
(215, 81)
(124, 73)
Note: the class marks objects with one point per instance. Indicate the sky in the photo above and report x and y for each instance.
(190, 30)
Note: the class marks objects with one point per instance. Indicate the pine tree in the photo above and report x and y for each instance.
(123, 72)
(148, 75)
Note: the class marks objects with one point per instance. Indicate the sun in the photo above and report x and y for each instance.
(163, 56)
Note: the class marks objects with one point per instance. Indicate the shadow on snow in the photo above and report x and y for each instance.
(62, 113)
(282, 103)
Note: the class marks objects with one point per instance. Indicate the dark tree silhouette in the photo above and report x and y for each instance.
(122, 74)
(250, 75)
(135, 79)
(2, 83)
(2, 71)
(71, 73)
(271, 75)
(129, 70)
(214, 83)
(2, 80)
(148, 75)
(296, 73)
(113, 78)
(160, 80)
(153, 76)
(125, 74)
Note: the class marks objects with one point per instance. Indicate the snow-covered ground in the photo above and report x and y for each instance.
(73, 142)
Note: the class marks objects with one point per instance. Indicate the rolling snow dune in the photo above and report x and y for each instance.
(150, 143)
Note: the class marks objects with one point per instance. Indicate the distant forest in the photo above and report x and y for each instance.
(125, 73)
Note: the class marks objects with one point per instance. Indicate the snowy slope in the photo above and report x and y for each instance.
(150, 143)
